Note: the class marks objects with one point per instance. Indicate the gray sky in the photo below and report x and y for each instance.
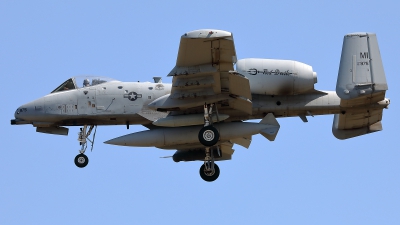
(306, 176)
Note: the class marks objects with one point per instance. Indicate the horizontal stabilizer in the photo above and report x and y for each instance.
(361, 70)
(270, 132)
(344, 128)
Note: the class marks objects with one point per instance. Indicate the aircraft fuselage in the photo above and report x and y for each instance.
(121, 103)
(111, 103)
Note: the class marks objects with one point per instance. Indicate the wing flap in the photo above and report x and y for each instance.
(240, 86)
(241, 104)
(190, 70)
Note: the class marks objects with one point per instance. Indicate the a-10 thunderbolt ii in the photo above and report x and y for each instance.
(201, 114)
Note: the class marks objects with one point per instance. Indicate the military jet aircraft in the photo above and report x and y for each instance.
(202, 113)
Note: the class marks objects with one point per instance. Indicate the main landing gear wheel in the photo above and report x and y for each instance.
(81, 160)
(209, 174)
(208, 136)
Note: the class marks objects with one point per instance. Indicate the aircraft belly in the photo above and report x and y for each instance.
(132, 108)
(99, 119)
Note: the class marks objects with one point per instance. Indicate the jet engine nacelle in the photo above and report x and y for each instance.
(277, 77)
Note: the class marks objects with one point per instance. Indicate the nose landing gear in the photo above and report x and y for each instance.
(81, 160)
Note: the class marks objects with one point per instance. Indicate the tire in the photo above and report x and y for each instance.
(208, 136)
(208, 178)
(81, 160)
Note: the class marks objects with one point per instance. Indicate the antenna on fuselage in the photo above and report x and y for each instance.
(157, 79)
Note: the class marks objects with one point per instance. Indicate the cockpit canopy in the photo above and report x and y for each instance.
(81, 82)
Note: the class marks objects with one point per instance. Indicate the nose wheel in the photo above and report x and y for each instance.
(81, 160)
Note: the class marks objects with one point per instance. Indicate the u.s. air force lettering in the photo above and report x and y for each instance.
(132, 96)
(269, 72)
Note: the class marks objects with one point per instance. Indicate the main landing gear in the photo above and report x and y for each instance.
(81, 160)
(208, 135)
(209, 171)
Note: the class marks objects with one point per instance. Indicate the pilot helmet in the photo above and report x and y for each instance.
(86, 82)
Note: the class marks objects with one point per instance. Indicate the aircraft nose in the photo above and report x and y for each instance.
(29, 111)
(17, 112)
(23, 111)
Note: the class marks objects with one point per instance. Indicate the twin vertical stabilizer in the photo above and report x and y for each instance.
(361, 84)
(361, 71)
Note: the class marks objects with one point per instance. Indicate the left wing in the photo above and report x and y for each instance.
(204, 74)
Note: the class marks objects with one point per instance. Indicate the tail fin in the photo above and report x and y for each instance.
(361, 82)
(270, 132)
(361, 71)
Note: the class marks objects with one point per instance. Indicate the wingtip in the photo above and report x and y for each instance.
(206, 33)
